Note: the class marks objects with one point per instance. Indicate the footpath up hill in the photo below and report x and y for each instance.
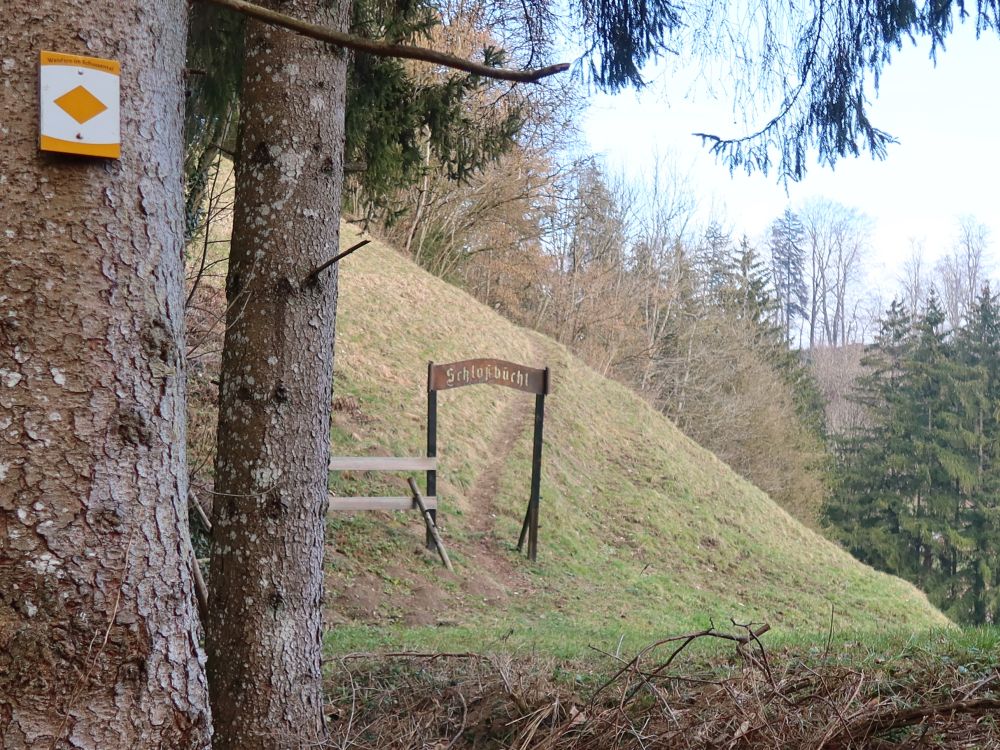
(643, 532)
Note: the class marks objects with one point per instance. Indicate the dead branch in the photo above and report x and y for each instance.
(382, 49)
(460, 700)
(685, 640)
(312, 275)
(431, 526)
(201, 592)
(407, 655)
(201, 511)
(885, 721)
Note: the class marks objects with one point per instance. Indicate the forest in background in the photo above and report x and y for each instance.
(915, 490)
(746, 344)
(773, 357)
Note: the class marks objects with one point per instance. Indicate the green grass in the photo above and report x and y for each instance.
(975, 649)
(643, 533)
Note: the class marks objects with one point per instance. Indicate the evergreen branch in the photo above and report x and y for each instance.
(382, 49)
(719, 143)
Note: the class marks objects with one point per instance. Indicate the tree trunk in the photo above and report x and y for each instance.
(265, 624)
(98, 632)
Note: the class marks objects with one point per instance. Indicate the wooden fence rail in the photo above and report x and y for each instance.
(380, 463)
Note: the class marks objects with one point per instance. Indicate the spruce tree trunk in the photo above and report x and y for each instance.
(266, 581)
(98, 632)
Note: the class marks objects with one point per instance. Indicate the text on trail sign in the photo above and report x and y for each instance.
(80, 105)
(487, 371)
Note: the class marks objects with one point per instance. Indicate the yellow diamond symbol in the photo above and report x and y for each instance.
(80, 104)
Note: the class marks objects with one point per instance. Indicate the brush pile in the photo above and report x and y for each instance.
(752, 699)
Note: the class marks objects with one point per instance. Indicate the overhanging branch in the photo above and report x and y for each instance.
(381, 49)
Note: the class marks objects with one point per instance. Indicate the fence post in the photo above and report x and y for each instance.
(431, 447)
(530, 526)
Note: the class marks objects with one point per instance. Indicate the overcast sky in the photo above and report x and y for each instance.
(947, 163)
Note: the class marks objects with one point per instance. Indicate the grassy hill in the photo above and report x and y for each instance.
(642, 531)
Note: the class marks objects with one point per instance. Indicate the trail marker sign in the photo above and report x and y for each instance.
(80, 109)
(493, 372)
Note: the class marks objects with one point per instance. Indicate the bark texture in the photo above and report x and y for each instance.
(265, 624)
(98, 633)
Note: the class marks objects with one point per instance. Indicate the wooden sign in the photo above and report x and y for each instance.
(488, 371)
(79, 110)
(492, 372)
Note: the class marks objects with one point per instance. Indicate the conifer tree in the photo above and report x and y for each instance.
(99, 634)
(866, 508)
(264, 633)
(788, 259)
(713, 260)
(389, 117)
(929, 416)
(917, 485)
(748, 291)
(978, 346)
(752, 283)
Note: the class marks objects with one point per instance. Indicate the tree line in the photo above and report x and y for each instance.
(697, 321)
(917, 479)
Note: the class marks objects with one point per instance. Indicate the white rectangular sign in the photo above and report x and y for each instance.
(80, 105)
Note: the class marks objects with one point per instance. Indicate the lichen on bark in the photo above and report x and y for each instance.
(265, 624)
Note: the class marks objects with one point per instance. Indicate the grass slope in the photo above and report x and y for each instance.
(642, 531)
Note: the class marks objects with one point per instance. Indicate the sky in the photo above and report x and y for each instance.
(946, 164)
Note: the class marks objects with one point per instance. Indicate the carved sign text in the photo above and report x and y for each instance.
(492, 371)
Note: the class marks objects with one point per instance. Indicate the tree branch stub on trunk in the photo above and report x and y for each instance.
(268, 523)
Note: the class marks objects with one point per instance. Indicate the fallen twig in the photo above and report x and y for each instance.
(760, 700)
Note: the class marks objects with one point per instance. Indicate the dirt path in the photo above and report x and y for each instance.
(494, 574)
(517, 418)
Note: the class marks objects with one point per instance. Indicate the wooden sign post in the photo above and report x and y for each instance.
(492, 372)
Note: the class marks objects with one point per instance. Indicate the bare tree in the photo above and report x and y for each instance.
(837, 240)
(950, 276)
(657, 262)
(973, 241)
(867, 311)
(914, 281)
(815, 219)
(851, 235)
(962, 272)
